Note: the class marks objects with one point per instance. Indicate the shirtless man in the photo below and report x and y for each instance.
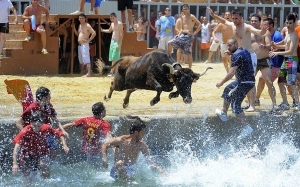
(36, 9)
(127, 149)
(288, 71)
(261, 46)
(227, 33)
(116, 28)
(242, 33)
(140, 29)
(85, 34)
(185, 37)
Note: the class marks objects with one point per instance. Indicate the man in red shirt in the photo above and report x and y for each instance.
(95, 132)
(34, 149)
(48, 113)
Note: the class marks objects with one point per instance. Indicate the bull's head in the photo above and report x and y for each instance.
(183, 79)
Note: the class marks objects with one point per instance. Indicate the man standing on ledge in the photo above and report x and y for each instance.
(185, 37)
(235, 92)
(4, 25)
(122, 5)
(85, 34)
(35, 9)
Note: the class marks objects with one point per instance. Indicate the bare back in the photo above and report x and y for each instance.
(128, 151)
(37, 12)
(227, 32)
(84, 32)
(291, 43)
(256, 41)
(243, 36)
(117, 31)
(188, 23)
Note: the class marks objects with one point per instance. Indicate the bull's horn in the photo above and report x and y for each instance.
(172, 71)
(205, 71)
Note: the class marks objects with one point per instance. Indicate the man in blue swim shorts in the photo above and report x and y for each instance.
(235, 92)
(127, 149)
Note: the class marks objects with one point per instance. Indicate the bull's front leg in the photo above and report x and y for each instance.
(126, 99)
(153, 83)
(111, 89)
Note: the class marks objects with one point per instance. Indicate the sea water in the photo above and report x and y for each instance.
(202, 156)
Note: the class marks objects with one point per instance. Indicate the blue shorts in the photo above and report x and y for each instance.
(52, 142)
(130, 170)
(97, 3)
(236, 97)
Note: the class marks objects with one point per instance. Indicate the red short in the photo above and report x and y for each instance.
(205, 45)
(31, 28)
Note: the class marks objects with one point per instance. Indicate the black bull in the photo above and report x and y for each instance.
(153, 71)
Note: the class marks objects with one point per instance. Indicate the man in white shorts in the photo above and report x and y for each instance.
(165, 30)
(85, 34)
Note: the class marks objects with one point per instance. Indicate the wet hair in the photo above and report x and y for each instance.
(291, 16)
(41, 92)
(137, 125)
(236, 11)
(256, 16)
(98, 109)
(295, 14)
(35, 117)
(82, 15)
(113, 14)
(270, 21)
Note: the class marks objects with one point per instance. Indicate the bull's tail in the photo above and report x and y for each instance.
(117, 62)
(205, 71)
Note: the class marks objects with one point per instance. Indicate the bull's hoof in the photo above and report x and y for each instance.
(106, 98)
(125, 105)
(152, 103)
(173, 95)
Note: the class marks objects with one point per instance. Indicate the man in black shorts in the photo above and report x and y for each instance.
(5, 5)
(126, 4)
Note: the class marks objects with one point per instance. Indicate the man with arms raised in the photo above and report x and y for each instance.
(127, 149)
(185, 37)
(261, 45)
(35, 9)
(288, 71)
(242, 33)
(85, 34)
(227, 33)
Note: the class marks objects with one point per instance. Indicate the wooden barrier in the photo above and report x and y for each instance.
(25, 58)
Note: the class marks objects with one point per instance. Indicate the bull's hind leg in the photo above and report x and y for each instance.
(111, 89)
(126, 99)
